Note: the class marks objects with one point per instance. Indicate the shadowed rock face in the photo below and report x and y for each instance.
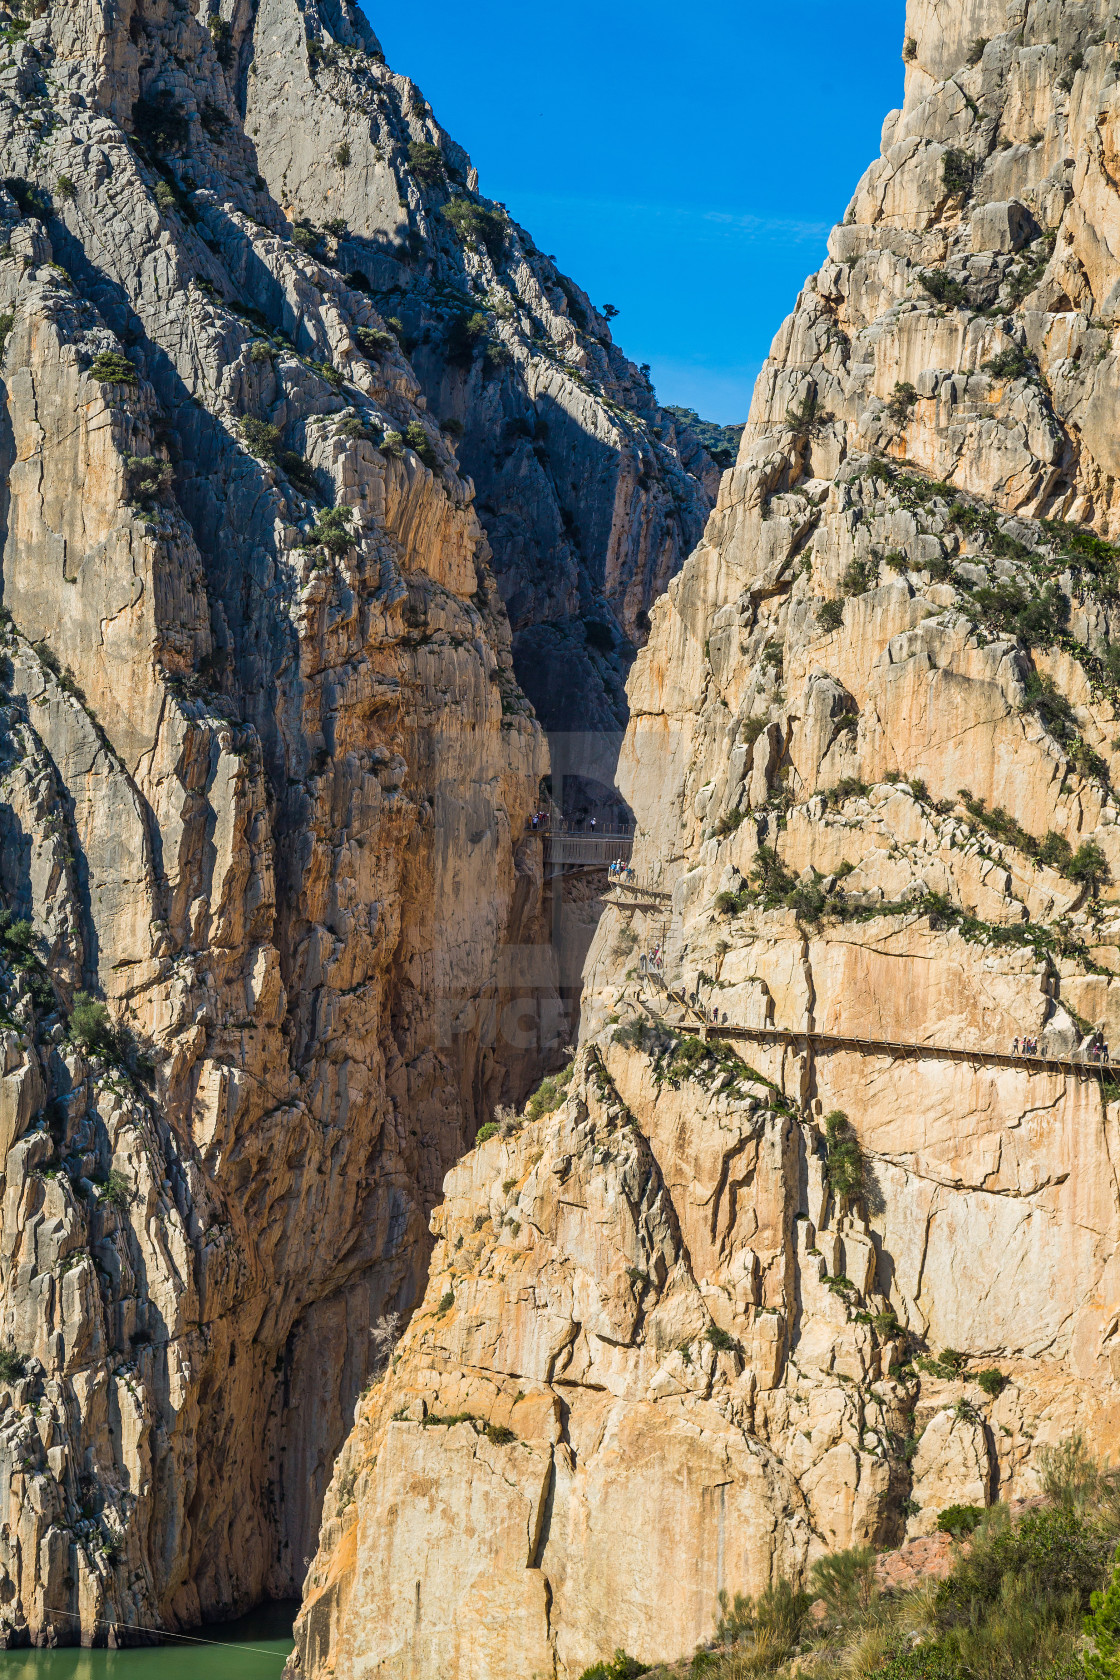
(591, 493)
(726, 1308)
(266, 765)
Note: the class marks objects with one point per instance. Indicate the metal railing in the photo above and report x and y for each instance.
(586, 851)
(897, 1049)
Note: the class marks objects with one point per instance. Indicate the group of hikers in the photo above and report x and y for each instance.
(652, 962)
(1097, 1051)
(584, 822)
(620, 871)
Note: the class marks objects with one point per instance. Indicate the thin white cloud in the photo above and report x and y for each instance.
(772, 226)
(747, 226)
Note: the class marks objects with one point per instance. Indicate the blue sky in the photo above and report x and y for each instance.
(683, 166)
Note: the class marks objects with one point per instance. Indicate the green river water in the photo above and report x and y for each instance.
(253, 1648)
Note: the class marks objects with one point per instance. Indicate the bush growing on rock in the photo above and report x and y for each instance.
(332, 531)
(859, 576)
(993, 1382)
(372, 340)
(464, 334)
(118, 1190)
(844, 1163)
(1089, 866)
(91, 1029)
(416, 436)
(111, 368)
(305, 237)
(262, 437)
(352, 426)
(17, 937)
(1013, 363)
(942, 288)
(426, 162)
(12, 1365)
(550, 1093)
(620, 1667)
(477, 225)
(902, 400)
(1036, 620)
(809, 415)
(830, 615)
(726, 823)
(263, 440)
(957, 170)
(960, 1519)
(845, 1580)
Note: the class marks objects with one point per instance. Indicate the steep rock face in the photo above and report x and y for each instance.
(871, 754)
(591, 494)
(267, 764)
(266, 777)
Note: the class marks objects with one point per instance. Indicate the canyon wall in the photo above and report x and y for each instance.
(591, 493)
(805, 1252)
(273, 941)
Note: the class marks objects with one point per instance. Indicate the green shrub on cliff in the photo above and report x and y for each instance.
(477, 225)
(332, 531)
(111, 368)
(92, 1030)
(620, 1667)
(426, 162)
(844, 1165)
(12, 1365)
(416, 436)
(550, 1093)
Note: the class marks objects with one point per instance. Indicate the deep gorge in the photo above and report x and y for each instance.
(338, 538)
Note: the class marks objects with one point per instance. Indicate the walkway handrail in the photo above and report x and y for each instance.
(642, 889)
(901, 1048)
(597, 850)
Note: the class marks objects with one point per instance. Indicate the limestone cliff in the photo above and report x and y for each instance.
(591, 493)
(271, 916)
(803, 1281)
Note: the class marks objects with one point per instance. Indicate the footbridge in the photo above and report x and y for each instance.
(565, 853)
(707, 1027)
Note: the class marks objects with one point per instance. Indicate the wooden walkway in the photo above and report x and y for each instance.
(894, 1049)
(565, 852)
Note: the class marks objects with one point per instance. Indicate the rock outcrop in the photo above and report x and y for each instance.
(591, 493)
(751, 1295)
(273, 944)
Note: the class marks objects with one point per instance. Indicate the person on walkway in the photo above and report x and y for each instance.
(1015, 1048)
(593, 825)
